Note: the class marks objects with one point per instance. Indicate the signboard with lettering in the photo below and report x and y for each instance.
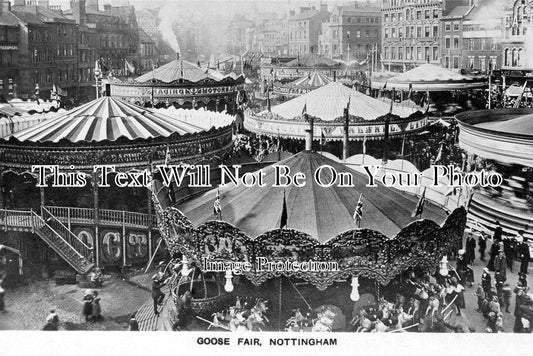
(168, 92)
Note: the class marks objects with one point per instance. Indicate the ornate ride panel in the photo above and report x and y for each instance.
(360, 252)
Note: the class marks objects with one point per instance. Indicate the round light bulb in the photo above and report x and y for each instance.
(228, 287)
(185, 270)
(354, 296)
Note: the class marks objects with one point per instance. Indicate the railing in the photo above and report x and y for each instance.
(65, 234)
(106, 217)
(16, 218)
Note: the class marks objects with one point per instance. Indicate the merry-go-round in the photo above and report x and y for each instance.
(272, 258)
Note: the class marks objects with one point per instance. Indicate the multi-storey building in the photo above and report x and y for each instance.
(47, 49)
(353, 31)
(238, 35)
(272, 37)
(148, 52)
(9, 46)
(472, 39)
(411, 32)
(304, 29)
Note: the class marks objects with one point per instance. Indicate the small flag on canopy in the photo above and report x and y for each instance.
(358, 213)
(420, 205)
(167, 155)
(304, 110)
(284, 216)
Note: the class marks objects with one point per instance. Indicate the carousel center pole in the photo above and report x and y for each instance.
(279, 305)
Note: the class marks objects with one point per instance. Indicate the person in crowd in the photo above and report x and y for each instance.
(506, 294)
(133, 324)
(480, 294)
(522, 279)
(500, 266)
(157, 295)
(470, 254)
(495, 248)
(87, 304)
(52, 322)
(96, 309)
(482, 243)
(96, 278)
(458, 292)
(184, 312)
(509, 248)
(486, 281)
(523, 252)
(2, 297)
(520, 299)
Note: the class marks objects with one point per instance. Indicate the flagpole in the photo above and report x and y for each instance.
(360, 217)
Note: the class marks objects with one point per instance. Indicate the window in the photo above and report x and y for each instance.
(471, 62)
(408, 53)
(419, 53)
(407, 31)
(426, 31)
(455, 62)
(456, 26)
(419, 15)
(435, 31)
(435, 53)
(435, 13)
(400, 32)
(447, 62)
(419, 31)
(426, 54)
(358, 34)
(386, 33)
(456, 42)
(426, 14)
(448, 26)
(482, 63)
(447, 42)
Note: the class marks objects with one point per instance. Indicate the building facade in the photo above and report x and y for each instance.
(9, 46)
(304, 29)
(412, 31)
(353, 31)
(47, 50)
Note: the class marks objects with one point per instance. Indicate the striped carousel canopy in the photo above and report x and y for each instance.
(106, 119)
(328, 103)
(182, 70)
(315, 79)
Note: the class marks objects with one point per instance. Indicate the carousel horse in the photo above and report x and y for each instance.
(324, 321)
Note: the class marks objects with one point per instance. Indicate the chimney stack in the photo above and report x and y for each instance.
(178, 56)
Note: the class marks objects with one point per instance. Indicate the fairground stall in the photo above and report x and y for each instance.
(182, 84)
(274, 229)
(52, 195)
(501, 141)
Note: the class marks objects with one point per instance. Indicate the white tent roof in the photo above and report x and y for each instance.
(328, 103)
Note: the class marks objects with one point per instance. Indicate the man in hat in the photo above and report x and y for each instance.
(157, 295)
(523, 252)
(482, 243)
(462, 265)
(470, 254)
(486, 281)
(52, 322)
(495, 248)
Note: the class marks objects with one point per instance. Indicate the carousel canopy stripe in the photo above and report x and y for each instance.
(430, 77)
(503, 135)
(519, 125)
(106, 119)
(328, 103)
(313, 60)
(318, 211)
(182, 70)
(315, 79)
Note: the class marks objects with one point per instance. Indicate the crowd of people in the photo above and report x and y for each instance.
(257, 147)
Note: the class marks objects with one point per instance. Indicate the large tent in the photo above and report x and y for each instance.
(313, 60)
(328, 103)
(429, 77)
(302, 85)
(318, 211)
(106, 119)
(326, 106)
(182, 70)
